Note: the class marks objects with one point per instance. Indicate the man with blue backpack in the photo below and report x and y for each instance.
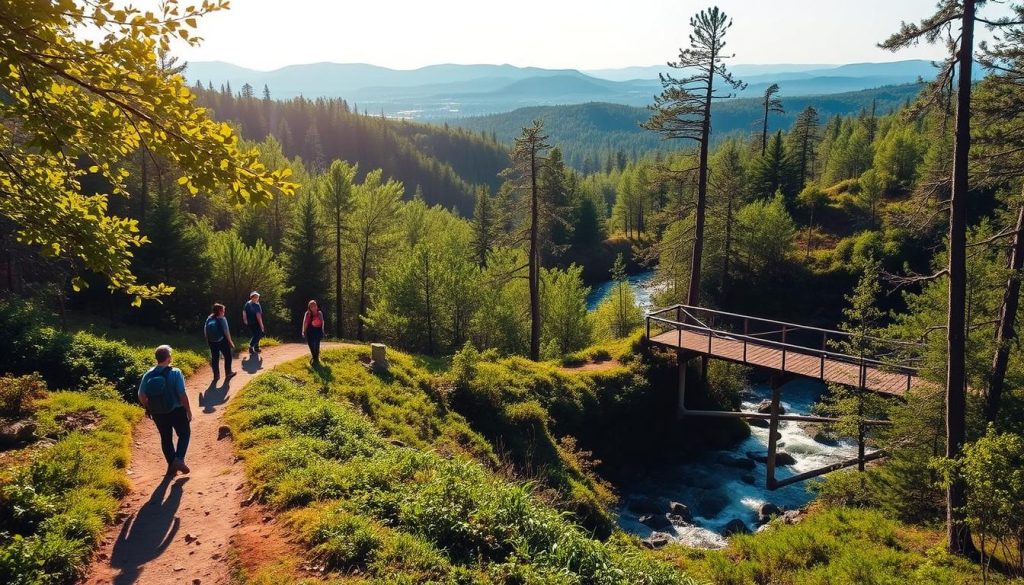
(162, 394)
(218, 336)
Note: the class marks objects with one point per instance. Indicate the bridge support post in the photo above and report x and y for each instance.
(773, 430)
(681, 405)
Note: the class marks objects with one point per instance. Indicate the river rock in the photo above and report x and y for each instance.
(19, 431)
(678, 520)
(748, 478)
(656, 521)
(729, 460)
(765, 407)
(759, 422)
(681, 510)
(818, 432)
(648, 505)
(783, 458)
(709, 503)
(656, 540)
(792, 516)
(767, 511)
(735, 526)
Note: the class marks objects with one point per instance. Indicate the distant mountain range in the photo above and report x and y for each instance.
(451, 91)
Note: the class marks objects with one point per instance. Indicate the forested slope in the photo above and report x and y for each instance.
(445, 164)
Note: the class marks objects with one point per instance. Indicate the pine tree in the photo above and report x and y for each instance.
(683, 110)
(774, 171)
(771, 104)
(374, 230)
(484, 226)
(803, 139)
(959, 64)
(336, 195)
(529, 155)
(307, 265)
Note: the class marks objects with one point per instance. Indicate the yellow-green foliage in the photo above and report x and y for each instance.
(377, 474)
(55, 501)
(830, 547)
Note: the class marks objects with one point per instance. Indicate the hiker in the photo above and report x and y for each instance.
(162, 394)
(218, 336)
(252, 317)
(313, 329)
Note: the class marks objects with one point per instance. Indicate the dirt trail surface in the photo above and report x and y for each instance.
(180, 529)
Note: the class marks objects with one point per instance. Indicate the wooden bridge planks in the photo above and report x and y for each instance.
(796, 362)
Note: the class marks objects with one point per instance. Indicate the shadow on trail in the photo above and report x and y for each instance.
(253, 363)
(214, 396)
(145, 536)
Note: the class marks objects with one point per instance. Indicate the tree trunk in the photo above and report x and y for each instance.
(693, 295)
(764, 129)
(534, 260)
(957, 533)
(339, 326)
(1005, 332)
(728, 242)
(362, 294)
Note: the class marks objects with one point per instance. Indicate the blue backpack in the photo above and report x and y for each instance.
(214, 329)
(159, 393)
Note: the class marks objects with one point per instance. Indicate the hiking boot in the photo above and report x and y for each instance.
(180, 466)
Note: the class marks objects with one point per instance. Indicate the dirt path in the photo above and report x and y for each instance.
(179, 530)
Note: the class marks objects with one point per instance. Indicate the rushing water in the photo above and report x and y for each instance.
(643, 287)
(712, 486)
(717, 492)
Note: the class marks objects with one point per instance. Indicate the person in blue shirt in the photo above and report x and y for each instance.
(178, 420)
(252, 317)
(218, 336)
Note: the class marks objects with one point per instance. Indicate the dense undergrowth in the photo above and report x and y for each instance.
(381, 476)
(75, 360)
(59, 492)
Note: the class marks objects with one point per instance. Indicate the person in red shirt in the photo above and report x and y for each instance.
(313, 329)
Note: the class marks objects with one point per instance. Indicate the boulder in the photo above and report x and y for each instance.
(678, 520)
(647, 505)
(783, 458)
(19, 431)
(709, 503)
(656, 540)
(759, 422)
(748, 478)
(792, 516)
(735, 526)
(681, 510)
(767, 511)
(729, 460)
(765, 407)
(656, 521)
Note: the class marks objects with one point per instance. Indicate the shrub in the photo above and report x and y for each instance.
(18, 395)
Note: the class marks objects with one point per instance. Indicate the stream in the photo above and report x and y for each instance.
(724, 485)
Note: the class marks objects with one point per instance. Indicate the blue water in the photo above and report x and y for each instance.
(643, 287)
(706, 478)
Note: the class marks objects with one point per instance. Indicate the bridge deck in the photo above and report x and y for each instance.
(827, 369)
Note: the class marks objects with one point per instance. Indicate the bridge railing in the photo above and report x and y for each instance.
(827, 345)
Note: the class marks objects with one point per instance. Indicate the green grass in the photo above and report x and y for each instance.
(55, 499)
(380, 477)
(831, 546)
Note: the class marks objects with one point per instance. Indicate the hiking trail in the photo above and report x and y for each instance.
(181, 529)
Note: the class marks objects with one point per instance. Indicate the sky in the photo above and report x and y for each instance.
(578, 34)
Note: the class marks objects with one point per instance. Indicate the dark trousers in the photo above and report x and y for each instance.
(313, 337)
(256, 334)
(217, 348)
(175, 421)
